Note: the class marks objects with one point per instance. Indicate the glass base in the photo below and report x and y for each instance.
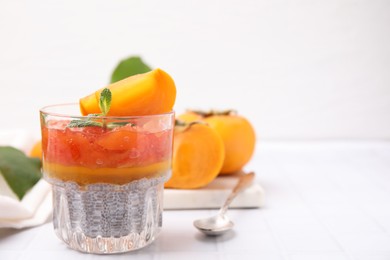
(106, 218)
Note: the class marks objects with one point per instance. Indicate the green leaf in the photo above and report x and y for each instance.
(83, 123)
(19, 171)
(105, 101)
(129, 67)
(104, 105)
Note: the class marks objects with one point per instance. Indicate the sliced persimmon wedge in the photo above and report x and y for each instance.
(198, 154)
(149, 93)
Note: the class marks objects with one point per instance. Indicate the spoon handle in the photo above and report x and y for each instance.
(244, 181)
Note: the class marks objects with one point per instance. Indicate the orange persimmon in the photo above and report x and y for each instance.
(198, 155)
(149, 93)
(236, 131)
(189, 117)
(36, 150)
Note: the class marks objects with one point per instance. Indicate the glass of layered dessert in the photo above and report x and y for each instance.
(107, 181)
(107, 174)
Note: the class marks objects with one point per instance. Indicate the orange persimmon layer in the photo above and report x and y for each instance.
(120, 176)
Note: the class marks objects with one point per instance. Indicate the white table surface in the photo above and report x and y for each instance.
(324, 200)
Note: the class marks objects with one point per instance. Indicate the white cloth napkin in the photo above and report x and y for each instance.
(35, 208)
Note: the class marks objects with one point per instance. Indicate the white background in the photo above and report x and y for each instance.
(297, 69)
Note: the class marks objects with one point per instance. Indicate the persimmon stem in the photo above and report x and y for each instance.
(179, 122)
(213, 112)
(182, 126)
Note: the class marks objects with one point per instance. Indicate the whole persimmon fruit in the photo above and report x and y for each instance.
(36, 150)
(190, 116)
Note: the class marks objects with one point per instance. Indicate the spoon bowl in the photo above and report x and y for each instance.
(220, 224)
(214, 226)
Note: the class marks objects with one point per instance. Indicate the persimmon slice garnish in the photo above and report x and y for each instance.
(149, 93)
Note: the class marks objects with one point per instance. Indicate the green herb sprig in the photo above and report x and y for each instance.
(104, 106)
(105, 101)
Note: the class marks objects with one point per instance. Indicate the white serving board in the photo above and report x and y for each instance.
(213, 196)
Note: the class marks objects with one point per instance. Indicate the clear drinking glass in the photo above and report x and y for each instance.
(107, 175)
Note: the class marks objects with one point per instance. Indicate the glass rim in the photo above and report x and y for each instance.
(45, 110)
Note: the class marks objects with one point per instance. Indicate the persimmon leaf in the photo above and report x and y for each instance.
(19, 171)
(129, 67)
